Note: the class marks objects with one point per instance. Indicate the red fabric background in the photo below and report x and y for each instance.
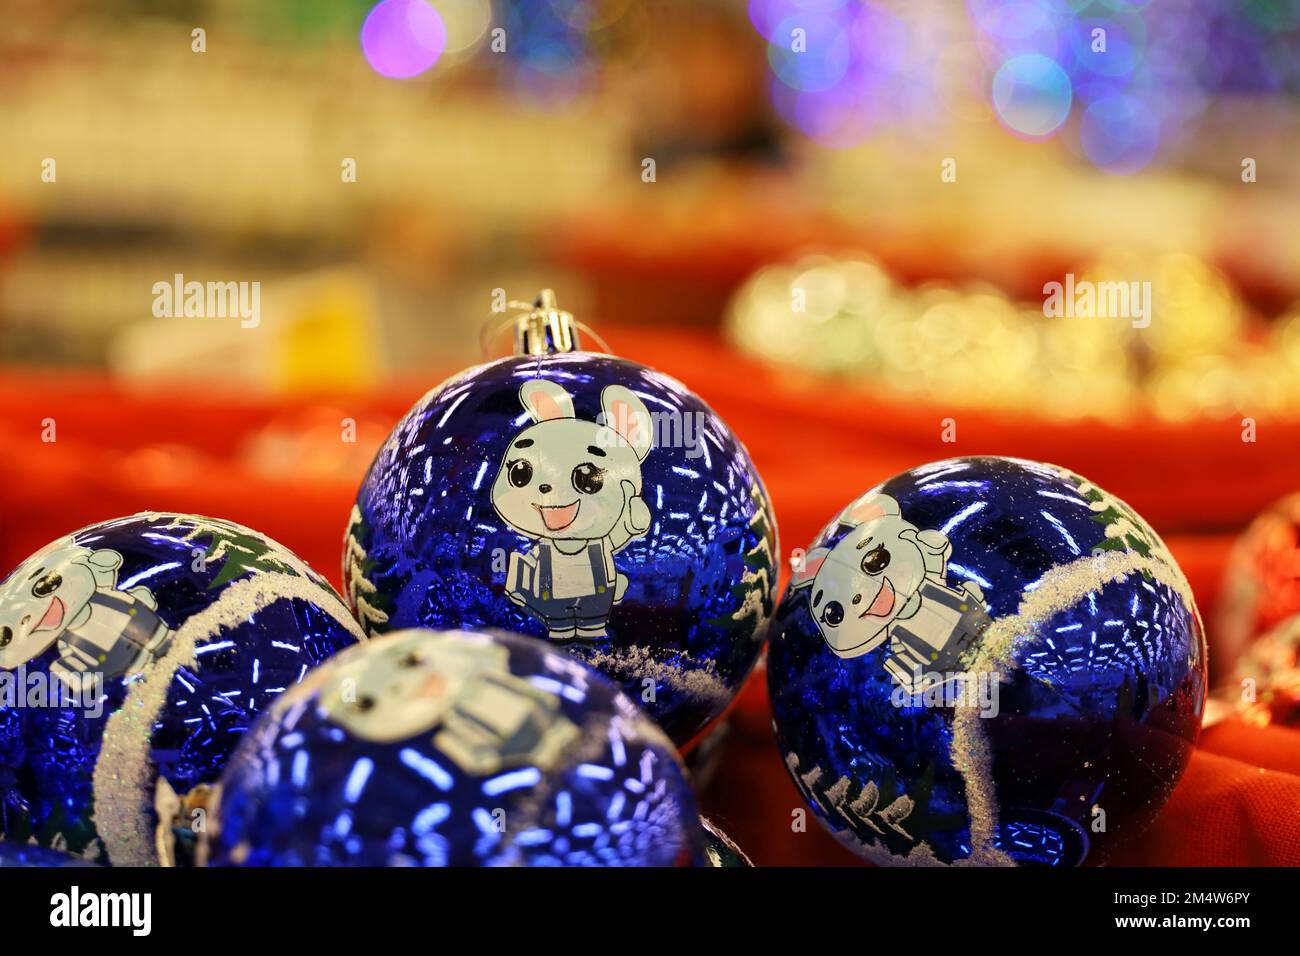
(180, 448)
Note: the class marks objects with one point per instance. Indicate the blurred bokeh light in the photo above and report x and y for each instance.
(382, 169)
(403, 38)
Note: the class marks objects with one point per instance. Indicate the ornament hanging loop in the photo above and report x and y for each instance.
(541, 327)
(545, 327)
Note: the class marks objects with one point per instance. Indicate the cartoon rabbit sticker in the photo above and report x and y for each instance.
(458, 689)
(887, 580)
(574, 487)
(69, 594)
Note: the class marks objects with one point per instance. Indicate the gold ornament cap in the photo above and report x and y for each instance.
(545, 328)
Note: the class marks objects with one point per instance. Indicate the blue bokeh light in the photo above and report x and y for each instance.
(1032, 95)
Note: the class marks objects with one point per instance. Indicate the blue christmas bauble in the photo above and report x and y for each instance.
(986, 661)
(455, 748)
(29, 854)
(584, 500)
(133, 656)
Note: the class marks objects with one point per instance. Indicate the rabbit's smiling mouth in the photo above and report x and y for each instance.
(53, 616)
(558, 517)
(884, 600)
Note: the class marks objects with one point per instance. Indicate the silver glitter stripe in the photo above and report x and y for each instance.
(697, 681)
(124, 775)
(1060, 589)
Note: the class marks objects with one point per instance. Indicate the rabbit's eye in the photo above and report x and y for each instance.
(588, 479)
(834, 614)
(875, 560)
(365, 703)
(47, 585)
(520, 473)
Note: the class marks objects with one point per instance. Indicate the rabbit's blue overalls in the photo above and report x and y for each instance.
(947, 624)
(584, 610)
(120, 627)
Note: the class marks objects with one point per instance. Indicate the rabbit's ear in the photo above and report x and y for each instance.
(806, 570)
(545, 400)
(627, 415)
(870, 506)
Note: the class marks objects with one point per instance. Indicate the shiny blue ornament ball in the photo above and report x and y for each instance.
(581, 499)
(455, 748)
(134, 654)
(986, 661)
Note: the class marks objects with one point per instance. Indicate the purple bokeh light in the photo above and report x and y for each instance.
(1119, 134)
(1124, 41)
(1012, 27)
(838, 118)
(402, 38)
(856, 70)
(821, 62)
(1165, 62)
